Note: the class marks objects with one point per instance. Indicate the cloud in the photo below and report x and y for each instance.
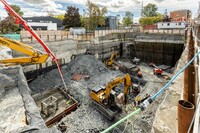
(136, 1)
(159, 0)
(41, 7)
(114, 5)
(33, 1)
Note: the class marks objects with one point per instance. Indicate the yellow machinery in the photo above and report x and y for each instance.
(104, 97)
(35, 56)
(110, 61)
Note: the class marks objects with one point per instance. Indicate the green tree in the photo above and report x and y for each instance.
(150, 10)
(8, 24)
(17, 9)
(72, 17)
(84, 21)
(60, 16)
(96, 15)
(151, 20)
(128, 19)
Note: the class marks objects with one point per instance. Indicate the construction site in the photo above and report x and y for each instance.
(119, 82)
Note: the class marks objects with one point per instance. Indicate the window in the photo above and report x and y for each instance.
(168, 24)
(29, 20)
(39, 28)
(179, 23)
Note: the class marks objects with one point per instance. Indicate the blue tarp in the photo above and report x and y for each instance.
(12, 36)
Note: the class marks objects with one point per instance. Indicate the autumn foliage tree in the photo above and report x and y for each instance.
(8, 24)
(72, 17)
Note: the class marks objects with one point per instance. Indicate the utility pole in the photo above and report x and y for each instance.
(142, 10)
(165, 12)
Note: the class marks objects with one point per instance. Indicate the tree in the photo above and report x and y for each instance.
(128, 19)
(151, 20)
(150, 10)
(166, 18)
(84, 21)
(72, 17)
(8, 24)
(60, 16)
(17, 9)
(96, 15)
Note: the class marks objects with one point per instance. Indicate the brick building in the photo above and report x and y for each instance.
(181, 15)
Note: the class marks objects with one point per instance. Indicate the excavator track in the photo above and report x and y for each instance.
(108, 112)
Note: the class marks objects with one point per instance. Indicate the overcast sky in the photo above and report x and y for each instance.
(115, 7)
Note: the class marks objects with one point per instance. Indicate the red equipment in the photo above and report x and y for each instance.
(19, 20)
(157, 71)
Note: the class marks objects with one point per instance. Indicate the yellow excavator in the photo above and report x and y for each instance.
(34, 56)
(111, 60)
(104, 97)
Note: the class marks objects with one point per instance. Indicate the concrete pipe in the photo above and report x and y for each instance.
(185, 115)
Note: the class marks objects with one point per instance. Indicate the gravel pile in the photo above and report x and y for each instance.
(85, 120)
(86, 64)
(46, 81)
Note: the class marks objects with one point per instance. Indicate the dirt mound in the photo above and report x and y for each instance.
(86, 64)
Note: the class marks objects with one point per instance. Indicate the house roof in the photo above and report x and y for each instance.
(45, 18)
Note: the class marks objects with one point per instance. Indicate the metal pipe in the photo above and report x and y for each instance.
(185, 115)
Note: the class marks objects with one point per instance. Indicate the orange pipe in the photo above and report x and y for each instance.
(185, 115)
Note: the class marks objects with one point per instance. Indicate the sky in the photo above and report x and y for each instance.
(115, 7)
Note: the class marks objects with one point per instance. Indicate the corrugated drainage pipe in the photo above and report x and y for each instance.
(185, 115)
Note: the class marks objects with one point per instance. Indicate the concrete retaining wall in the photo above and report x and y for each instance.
(141, 46)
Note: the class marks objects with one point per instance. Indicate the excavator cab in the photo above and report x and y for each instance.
(104, 98)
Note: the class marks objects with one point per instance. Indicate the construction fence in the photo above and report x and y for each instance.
(50, 36)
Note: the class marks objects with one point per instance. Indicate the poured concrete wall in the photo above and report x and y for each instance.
(159, 49)
(159, 53)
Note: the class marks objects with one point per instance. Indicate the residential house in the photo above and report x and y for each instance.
(44, 23)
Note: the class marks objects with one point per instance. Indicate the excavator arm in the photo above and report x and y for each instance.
(127, 83)
(35, 56)
(112, 58)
